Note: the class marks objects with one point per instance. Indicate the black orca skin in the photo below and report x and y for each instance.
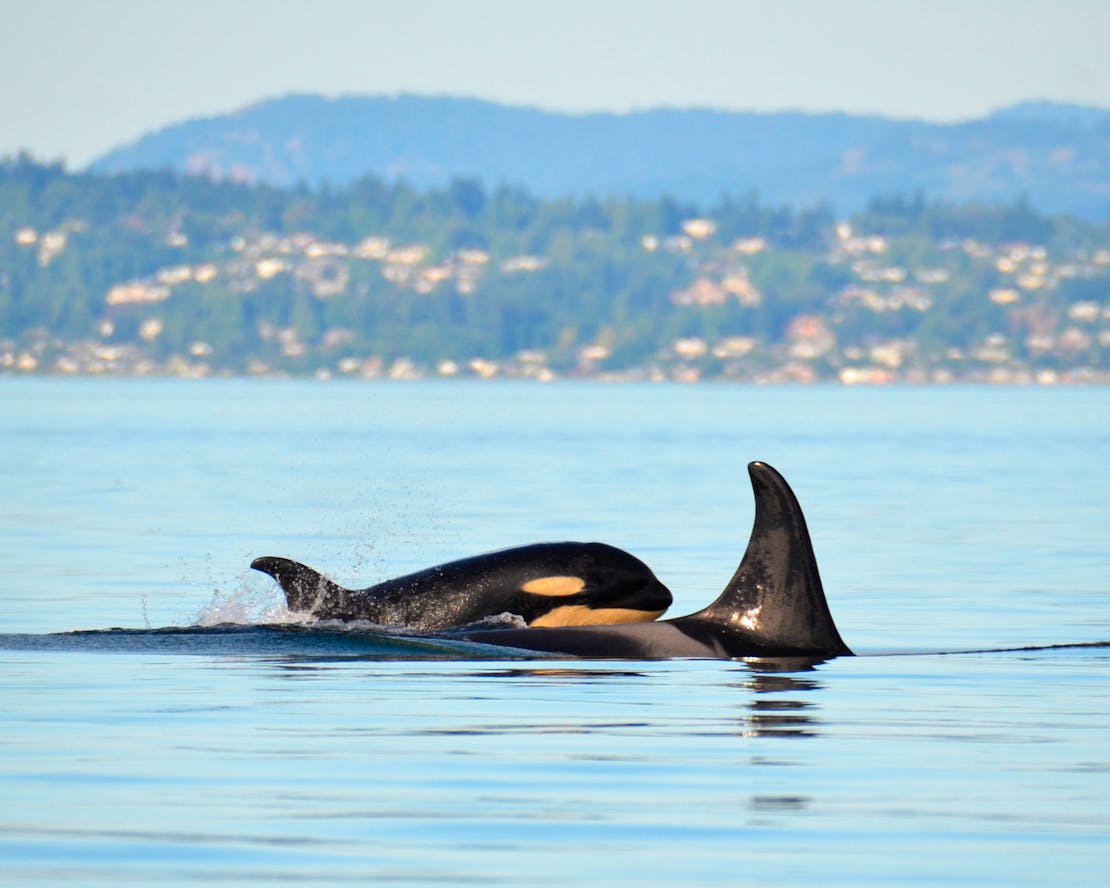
(547, 584)
(774, 605)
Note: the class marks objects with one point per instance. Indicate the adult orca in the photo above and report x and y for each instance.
(546, 584)
(774, 605)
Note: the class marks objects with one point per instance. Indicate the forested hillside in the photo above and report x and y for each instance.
(160, 273)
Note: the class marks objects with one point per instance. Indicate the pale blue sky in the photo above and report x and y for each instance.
(79, 77)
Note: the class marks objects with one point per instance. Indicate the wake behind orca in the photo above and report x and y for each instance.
(332, 642)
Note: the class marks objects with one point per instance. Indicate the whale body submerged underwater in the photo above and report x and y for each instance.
(592, 600)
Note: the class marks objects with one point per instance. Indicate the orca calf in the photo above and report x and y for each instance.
(546, 584)
(774, 605)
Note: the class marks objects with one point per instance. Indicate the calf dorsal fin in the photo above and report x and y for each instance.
(305, 589)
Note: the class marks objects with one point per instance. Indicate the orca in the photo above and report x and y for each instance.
(774, 605)
(546, 584)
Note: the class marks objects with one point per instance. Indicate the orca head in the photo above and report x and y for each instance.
(599, 585)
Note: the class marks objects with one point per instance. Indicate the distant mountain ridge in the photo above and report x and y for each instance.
(1056, 155)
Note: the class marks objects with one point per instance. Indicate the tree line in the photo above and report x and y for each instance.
(609, 271)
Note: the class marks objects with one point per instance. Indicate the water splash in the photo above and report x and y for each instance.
(249, 605)
(504, 620)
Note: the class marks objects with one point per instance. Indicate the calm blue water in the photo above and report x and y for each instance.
(942, 518)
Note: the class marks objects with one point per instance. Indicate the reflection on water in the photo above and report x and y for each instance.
(772, 718)
(568, 674)
(789, 804)
(784, 664)
(781, 715)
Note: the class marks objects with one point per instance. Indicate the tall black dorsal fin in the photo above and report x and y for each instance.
(776, 594)
(305, 589)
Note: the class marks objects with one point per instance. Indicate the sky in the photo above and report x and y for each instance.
(79, 77)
